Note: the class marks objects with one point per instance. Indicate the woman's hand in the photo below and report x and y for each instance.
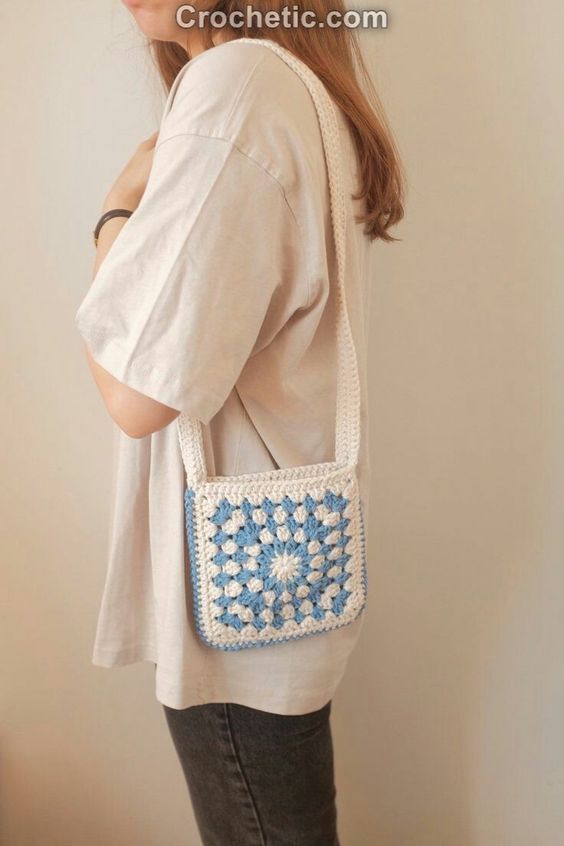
(129, 187)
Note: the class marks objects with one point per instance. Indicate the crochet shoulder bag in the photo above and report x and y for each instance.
(280, 554)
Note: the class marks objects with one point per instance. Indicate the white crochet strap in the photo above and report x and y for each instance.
(347, 428)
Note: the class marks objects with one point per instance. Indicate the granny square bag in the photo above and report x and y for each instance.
(280, 554)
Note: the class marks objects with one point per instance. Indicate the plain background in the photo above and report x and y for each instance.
(448, 729)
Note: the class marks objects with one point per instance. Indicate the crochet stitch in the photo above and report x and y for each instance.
(280, 554)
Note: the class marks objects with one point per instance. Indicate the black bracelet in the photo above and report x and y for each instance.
(108, 216)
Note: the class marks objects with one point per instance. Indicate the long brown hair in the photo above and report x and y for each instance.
(332, 54)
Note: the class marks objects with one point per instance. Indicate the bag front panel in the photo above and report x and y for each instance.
(270, 566)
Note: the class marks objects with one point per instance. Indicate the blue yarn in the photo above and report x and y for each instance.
(267, 506)
(247, 508)
(221, 579)
(292, 523)
(244, 576)
(220, 558)
(311, 527)
(240, 557)
(289, 505)
(309, 503)
(223, 512)
(246, 537)
(271, 525)
(220, 538)
(257, 603)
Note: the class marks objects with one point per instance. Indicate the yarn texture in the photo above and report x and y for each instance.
(281, 554)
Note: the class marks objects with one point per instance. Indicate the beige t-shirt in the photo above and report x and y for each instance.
(216, 299)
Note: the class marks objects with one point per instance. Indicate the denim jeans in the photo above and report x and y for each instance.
(256, 778)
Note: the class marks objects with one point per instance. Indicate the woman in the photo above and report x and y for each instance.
(212, 296)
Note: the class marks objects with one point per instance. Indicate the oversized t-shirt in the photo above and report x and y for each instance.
(217, 299)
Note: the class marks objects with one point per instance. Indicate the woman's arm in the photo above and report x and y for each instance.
(136, 414)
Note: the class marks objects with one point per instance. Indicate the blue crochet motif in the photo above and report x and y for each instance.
(275, 561)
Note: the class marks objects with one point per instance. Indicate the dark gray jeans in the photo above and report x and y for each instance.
(256, 778)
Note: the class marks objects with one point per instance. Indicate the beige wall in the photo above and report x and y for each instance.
(449, 729)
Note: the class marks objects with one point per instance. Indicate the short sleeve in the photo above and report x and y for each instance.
(176, 308)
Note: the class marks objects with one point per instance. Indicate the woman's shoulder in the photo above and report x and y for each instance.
(246, 94)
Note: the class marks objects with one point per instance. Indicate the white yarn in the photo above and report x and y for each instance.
(347, 429)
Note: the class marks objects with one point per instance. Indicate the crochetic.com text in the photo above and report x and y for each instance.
(289, 17)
